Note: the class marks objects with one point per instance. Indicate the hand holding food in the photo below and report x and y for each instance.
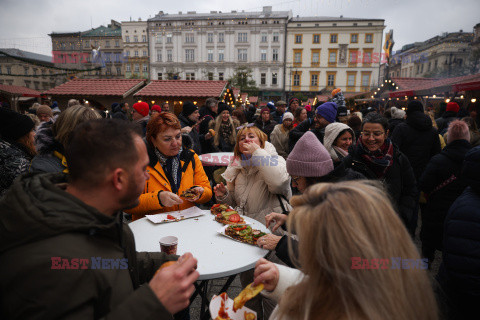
(278, 219)
(268, 242)
(250, 147)
(192, 194)
(173, 285)
(267, 273)
(220, 190)
(169, 199)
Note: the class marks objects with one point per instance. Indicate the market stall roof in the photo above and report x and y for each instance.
(183, 88)
(97, 87)
(426, 86)
(253, 99)
(19, 91)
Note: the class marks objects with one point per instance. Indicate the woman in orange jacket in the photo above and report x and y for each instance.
(172, 170)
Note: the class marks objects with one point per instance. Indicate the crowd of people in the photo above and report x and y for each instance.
(342, 192)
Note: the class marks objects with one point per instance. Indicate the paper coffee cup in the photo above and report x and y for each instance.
(168, 244)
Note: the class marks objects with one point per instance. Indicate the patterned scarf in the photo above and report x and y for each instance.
(173, 163)
(380, 160)
(226, 131)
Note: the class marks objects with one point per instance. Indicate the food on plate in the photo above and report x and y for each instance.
(229, 216)
(189, 193)
(166, 264)
(222, 313)
(248, 293)
(244, 233)
(218, 208)
(249, 316)
(170, 217)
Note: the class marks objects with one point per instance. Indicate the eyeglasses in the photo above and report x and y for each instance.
(248, 125)
(376, 134)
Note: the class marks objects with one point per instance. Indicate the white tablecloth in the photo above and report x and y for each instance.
(216, 159)
(217, 255)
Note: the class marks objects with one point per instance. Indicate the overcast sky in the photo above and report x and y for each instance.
(25, 24)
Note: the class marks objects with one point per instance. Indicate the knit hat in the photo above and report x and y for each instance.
(271, 105)
(331, 133)
(265, 109)
(453, 106)
(308, 108)
(309, 158)
(14, 125)
(288, 115)
(157, 108)
(142, 108)
(328, 110)
(336, 91)
(397, 113)
(43, 109)
(292, 100)
(222, 106)
(189, 108)
(413, 106)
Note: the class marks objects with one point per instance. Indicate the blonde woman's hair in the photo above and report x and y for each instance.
(336, 222)
(218, 123)
(262, 137)
(69, 119)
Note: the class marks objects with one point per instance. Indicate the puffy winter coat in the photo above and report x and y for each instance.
(193, 174)
(49, 152)
(253, 189)
(418, 140)
(459, 273)
(40, 222)
(444, 121)
(279, 138)
(299, 130)
(442, 184)
(392, 123)
(399, 181)
(266, 127)
(194, 134)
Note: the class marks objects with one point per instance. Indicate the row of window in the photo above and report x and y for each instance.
(43, 72)
(220, 23)
(331, 79)
(354, 56)
(136, 67)
(242, 55)
(136, 53)
(86, 44)
(242, 37)
(135, 38)
(334, 38)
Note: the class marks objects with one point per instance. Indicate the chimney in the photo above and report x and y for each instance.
(267, 9)
(179, 12)
(212, 12)
(461, 30)
(341, 16)
(191, 12)
(234, 11)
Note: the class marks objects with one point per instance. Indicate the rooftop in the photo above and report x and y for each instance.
(193, 15)
(26, 55)
(97, 87)
(182, 88)
(327, 19)
(19, 91)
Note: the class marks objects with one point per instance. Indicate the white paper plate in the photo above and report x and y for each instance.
(239, 315)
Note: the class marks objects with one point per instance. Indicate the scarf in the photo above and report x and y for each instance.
(379, 160)
(171, 167)
(226, 131)
(340, 151)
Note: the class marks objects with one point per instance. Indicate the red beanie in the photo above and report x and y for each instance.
(142, 108)
(265, 109)
(157, 108)
(453, 106)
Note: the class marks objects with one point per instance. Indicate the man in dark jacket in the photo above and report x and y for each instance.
(449, 115)
(207, 113)
(324, 115)
(459, 274)
(119, 111)
(417, 138)
(188, 120)
(277, 115)
(264, 122)
(66, 253)
(442, 184)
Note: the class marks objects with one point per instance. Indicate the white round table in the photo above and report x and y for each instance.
(217, 255)
(216, 158)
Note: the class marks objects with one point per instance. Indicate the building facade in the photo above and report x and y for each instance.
(440, 56)
(324, 53)
(27, 69)
(135, 49)
(96, 53)
(210, 46)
